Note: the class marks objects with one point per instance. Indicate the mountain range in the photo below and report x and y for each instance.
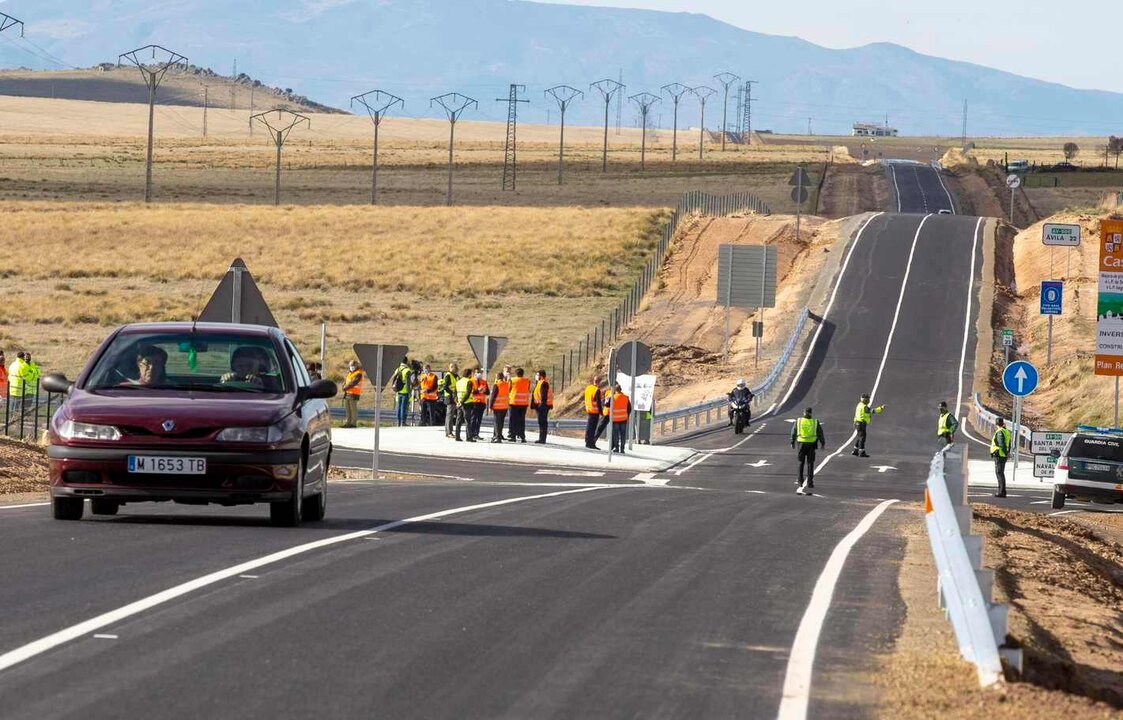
(330, 50)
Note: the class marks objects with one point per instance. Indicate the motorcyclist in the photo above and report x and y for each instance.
(740, 395)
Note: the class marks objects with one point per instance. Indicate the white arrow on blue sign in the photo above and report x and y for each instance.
(1052, 297)
(1020, 378)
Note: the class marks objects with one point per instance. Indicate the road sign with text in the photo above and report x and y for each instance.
(1052, 297)
(1060, 234)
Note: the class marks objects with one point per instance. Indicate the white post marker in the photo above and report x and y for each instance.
(377, 411)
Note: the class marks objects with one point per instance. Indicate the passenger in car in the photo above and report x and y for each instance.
(248, 366)
(151, 362)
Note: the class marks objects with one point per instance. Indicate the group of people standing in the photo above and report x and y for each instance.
(604, 405)
(20, 378)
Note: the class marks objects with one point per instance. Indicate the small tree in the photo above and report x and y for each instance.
(1115, 147)
(1071, 150)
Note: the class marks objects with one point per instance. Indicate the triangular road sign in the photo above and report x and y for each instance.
(380, 361)
(486, 348)
(238, 300)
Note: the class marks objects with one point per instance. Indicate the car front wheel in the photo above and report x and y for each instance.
(1058, 498)
(67, 508)
(287, 513)
(316, 507)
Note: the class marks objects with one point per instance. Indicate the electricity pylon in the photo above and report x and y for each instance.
(7, 21)
(726, 79)
(747, 118)
(279, 129)
(454, 104)
(676, 91)
(377, 103)
(703, 92)
(644, 101)
(563, 94)
(607, 88)
(153, 73)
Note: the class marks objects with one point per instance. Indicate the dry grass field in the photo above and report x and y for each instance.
(426, 277)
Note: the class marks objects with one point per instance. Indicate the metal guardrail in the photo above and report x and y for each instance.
(26, 417)
(983, 418)
(964, 587)
(708, 413)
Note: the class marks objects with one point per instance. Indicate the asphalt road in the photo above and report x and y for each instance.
(497, 592)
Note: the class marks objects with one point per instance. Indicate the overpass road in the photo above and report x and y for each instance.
(494, 593)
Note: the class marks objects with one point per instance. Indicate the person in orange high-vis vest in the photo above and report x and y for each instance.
(593, 409)
(520, 401)
(3, 376)
(542, 400)
(427, 387)
(500, 402)
(352, 391)
(621, 409)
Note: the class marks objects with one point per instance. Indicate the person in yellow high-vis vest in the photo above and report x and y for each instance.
(464, 404)
(807, 437)
(946, 425)
(863, 414)
(593, 411)
(1000, 451)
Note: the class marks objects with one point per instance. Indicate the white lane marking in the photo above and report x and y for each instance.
(801, 661)
(939, 175)
(827, 312)
(105, 637)
(82, 629)
(250, 577)
(25, 505)
(896, 189)
(882, 468)
(680, 471)
(758, 464)
(711, 453)
(888, 341)
(966, 336)
(571, 473)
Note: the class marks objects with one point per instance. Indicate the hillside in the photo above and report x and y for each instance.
(331, 50)
(111, 84)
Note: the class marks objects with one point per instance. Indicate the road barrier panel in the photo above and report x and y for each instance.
(964, 587)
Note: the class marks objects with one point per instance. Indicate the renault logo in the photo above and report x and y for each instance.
(168, 425)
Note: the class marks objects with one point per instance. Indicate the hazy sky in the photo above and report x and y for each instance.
(1021, 36)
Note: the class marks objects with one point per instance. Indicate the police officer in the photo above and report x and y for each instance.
(1000, 451)
(403, 389)
(863, 413)
(593, 411)
(807, 433)
(946, 425)
(448, 391)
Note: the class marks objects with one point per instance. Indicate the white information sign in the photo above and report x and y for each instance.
(1060, 234)
(1043, 443)
(645, 390)
(1043, 466)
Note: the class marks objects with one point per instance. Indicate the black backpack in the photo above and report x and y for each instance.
(399, 383)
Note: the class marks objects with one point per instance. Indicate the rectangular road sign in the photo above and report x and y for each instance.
(1043, 443)
(1052, 297)
(1043, 466)
(1109, 303)
(1007, 338)
(1060, 234)
(746, 276)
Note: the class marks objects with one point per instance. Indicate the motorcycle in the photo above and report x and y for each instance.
(741, 415)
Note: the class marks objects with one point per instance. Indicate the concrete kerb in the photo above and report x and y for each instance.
(964, 586)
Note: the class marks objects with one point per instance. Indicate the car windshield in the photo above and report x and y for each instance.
(186, 361)
(1096, 448)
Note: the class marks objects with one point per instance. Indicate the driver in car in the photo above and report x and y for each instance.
(150, 364)
(248, 365)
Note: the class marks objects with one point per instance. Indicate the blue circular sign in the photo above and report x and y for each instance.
(1052, 295)
(1020, 378)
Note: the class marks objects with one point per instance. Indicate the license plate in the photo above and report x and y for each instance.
(156, 465)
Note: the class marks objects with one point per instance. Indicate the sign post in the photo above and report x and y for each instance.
(799, 182)
(1109, 305)
(1052, 301)
(636, 356)
(746, 277)
(1020, 379)
(1007, 342)
(385, 360)
(1061, 235)
(1013, 182)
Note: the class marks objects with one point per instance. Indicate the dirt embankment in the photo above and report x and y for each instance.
(982, 191)
(1069, 393)
(1063, 585)
(23, 468)
(850, 189)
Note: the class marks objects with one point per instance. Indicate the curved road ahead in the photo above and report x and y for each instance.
(504, 596)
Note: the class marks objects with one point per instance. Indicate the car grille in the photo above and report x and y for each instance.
(193, 434)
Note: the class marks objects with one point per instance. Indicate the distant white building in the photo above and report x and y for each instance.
(873, 130)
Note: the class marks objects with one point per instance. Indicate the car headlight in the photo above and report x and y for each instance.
(71, 430)
(262, 435)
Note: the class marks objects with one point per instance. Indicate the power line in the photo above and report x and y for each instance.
(510, 148)
(280, 130)
(607, 88)
(726, 79)
(153, 73)
(644, 101)
(454, 104)
(563, 94)
(676, 91)
(703, 93)
(377, 104)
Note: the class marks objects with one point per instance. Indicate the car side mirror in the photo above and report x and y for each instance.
(57, 383)
(321, 390)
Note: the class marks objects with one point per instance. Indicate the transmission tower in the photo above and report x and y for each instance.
(233, 83)
(703, 92)
(644, 101)
(7, 21)
(620, 101)
(747, 117)
(206, 105)
(676, 91)
(153, 71)
(510, 152)
(454, 104)
(279, 129)
(563, 95)
(607, 88)
(740, 108)
(964, 124)
(726, 79)
(377, 103)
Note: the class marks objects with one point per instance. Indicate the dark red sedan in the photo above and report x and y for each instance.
(196, 414)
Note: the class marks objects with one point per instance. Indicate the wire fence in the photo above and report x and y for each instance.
(604, 335)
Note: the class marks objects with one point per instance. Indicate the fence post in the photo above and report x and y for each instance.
(7, 412)
(22, 411)
(35, 417)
